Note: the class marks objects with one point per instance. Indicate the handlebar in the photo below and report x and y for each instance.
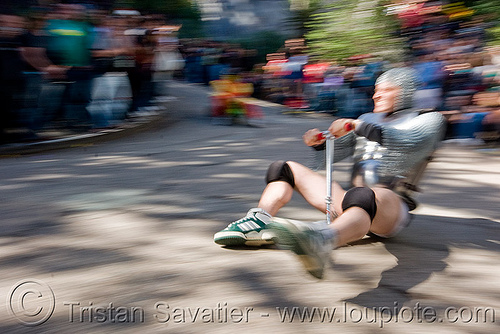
(326, 134)
(323, 135)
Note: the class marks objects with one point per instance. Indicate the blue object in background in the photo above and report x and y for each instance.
(468, 127)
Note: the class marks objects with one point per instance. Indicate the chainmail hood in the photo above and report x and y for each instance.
(406, 78)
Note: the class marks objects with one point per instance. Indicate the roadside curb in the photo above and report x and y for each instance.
(127, 128)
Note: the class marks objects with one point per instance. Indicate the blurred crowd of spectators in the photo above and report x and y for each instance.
(68, 66)
(73, 67)
(458, 72)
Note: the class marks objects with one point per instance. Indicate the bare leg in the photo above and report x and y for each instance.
(355, 222)
(312, 186)
(314, 242)
(275, 196)
(352, 224)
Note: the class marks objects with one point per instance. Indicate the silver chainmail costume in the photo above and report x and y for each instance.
(408, 140)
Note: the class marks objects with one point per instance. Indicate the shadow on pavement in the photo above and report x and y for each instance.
(421, 252)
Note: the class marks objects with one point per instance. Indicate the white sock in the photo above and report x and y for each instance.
(328, 232)
(261, 214)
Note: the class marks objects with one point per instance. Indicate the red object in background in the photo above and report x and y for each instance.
(296, 103)
(412, 16)
(315, 73)
(219, 105)
(253, 111)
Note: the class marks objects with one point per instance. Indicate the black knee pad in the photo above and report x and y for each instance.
(361, 197)
(280, 171)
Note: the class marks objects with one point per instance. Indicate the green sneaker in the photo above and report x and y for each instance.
(250, 230)
(311, 242)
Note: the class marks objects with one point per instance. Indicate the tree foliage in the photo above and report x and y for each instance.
(351, 27)
(490, 10)
(300, 15)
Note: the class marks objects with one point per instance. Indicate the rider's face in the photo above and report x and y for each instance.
(385, 97)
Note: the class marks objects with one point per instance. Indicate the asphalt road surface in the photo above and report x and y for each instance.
(116, 236)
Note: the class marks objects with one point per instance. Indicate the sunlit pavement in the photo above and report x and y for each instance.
(116, 236)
